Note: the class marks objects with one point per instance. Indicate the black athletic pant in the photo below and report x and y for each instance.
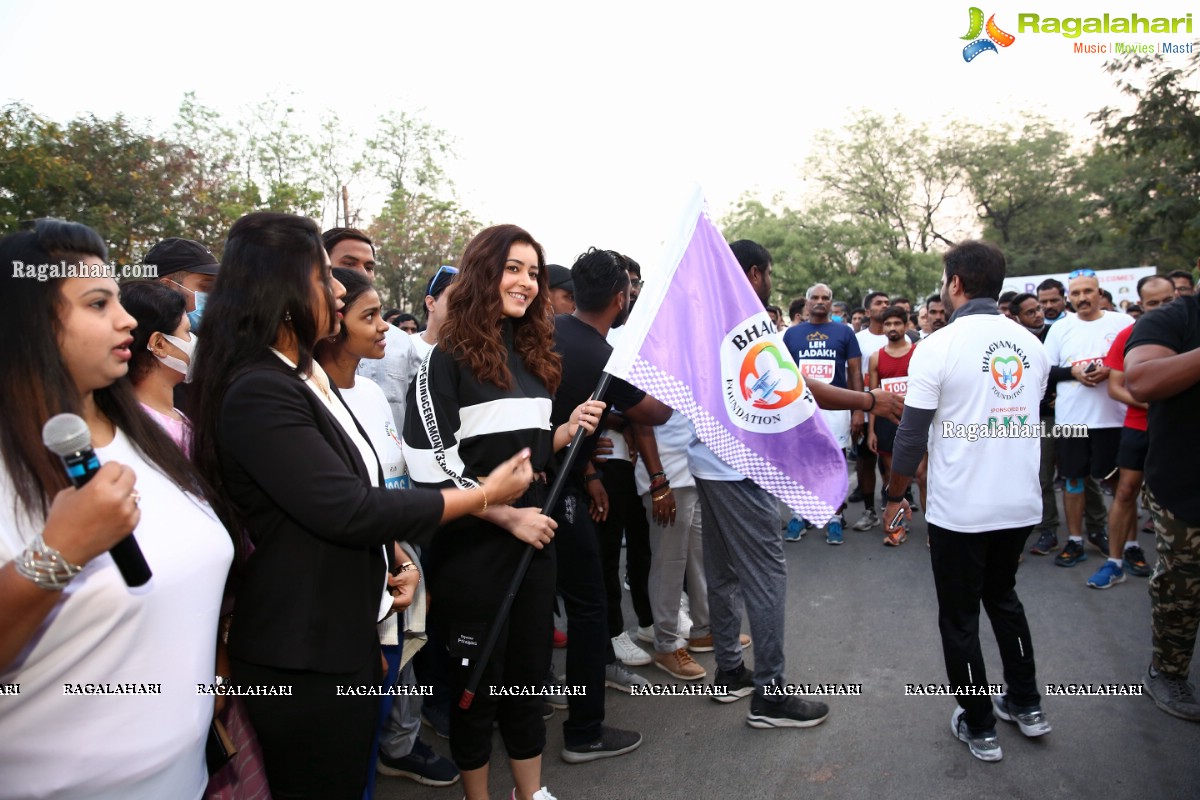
(627, 515)
(581, 585)
(970, 568)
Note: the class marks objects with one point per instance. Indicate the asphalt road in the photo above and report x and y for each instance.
(866, 614)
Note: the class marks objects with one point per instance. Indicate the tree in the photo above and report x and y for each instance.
(103, 173)
(421, 226)
(1031, 193)
(136, 188)
(891, 174)
(279, 160)
(1154, 195)
(817, 245)
(213, 192)
(414, 235)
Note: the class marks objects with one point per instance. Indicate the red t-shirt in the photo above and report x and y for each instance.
(1134, 417)
(892, 371)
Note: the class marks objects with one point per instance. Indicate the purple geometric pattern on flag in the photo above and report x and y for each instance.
(679, 396)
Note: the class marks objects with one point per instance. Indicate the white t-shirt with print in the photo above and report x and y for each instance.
(372, 410)
(981, 371)
(1073, 341)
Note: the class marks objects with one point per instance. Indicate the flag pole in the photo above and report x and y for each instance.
(560, 479)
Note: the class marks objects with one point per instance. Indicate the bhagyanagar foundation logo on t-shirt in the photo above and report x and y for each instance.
(1005, 363)
(764, 391)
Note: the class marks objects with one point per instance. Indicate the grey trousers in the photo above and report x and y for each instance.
(400, 733)
(676, 551)
(744, 562)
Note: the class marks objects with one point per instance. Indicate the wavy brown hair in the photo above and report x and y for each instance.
(474, 313)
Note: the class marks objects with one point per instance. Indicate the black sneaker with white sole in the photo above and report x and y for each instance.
(612, 742)
(794, 712)
(736, 685)
(421, 765)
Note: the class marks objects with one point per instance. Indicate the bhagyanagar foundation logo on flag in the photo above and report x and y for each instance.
(764, 391)
(984, 44)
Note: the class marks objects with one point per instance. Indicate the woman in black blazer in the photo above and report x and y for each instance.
(274, 437)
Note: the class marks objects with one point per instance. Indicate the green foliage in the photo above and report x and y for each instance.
(418, 230)
(1153, 193)
(415, 234)
(889, 194)
(136, 187)
(852, 256)
(103, 173)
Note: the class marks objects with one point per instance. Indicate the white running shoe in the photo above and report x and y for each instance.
(629, 653)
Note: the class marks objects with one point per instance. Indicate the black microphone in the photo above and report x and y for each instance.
(68, 437)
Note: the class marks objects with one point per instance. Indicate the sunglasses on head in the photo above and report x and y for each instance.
(441, 279)
(1081, 273)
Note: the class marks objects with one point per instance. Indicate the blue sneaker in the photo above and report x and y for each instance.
(833, 533)
(795, 530)
(1108, 575)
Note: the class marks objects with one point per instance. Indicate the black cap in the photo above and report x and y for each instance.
(182, 255)
(560, 278)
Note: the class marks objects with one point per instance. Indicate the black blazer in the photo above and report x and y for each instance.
(308, 598)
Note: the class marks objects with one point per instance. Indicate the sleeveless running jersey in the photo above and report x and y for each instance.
(893, 372)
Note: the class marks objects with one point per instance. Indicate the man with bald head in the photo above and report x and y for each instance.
(1124, 554)
(1077, 346)
(828, 352)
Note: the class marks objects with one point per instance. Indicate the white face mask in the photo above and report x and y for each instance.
(179, 365)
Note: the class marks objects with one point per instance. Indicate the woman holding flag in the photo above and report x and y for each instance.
(483, 391)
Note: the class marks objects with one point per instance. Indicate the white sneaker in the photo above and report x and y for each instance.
(621, 679)
(868, 520)
(685, 615)
(629, 653)
(541, 794)
(645, 633)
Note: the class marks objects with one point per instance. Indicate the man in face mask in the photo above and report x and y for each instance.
(187, 268)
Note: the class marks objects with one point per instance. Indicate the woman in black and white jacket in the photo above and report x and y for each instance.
(484, 390)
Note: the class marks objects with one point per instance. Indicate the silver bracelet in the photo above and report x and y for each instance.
(45, 566)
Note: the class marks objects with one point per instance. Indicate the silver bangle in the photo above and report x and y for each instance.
(45, 566)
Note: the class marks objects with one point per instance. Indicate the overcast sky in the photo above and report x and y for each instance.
(583, 123)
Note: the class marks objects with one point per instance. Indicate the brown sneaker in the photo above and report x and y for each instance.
(680, 664)
(704, 644)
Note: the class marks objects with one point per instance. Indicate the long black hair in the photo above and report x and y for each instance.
(264, 285)
(35, 383)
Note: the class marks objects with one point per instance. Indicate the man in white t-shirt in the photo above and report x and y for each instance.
(1076, 347)
(870, 339)
(978, 382)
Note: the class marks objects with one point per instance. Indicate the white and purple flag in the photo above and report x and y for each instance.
(700, 341)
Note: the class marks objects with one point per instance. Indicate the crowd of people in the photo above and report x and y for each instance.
(335, 498)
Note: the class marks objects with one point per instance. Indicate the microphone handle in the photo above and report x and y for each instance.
(81, 467)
